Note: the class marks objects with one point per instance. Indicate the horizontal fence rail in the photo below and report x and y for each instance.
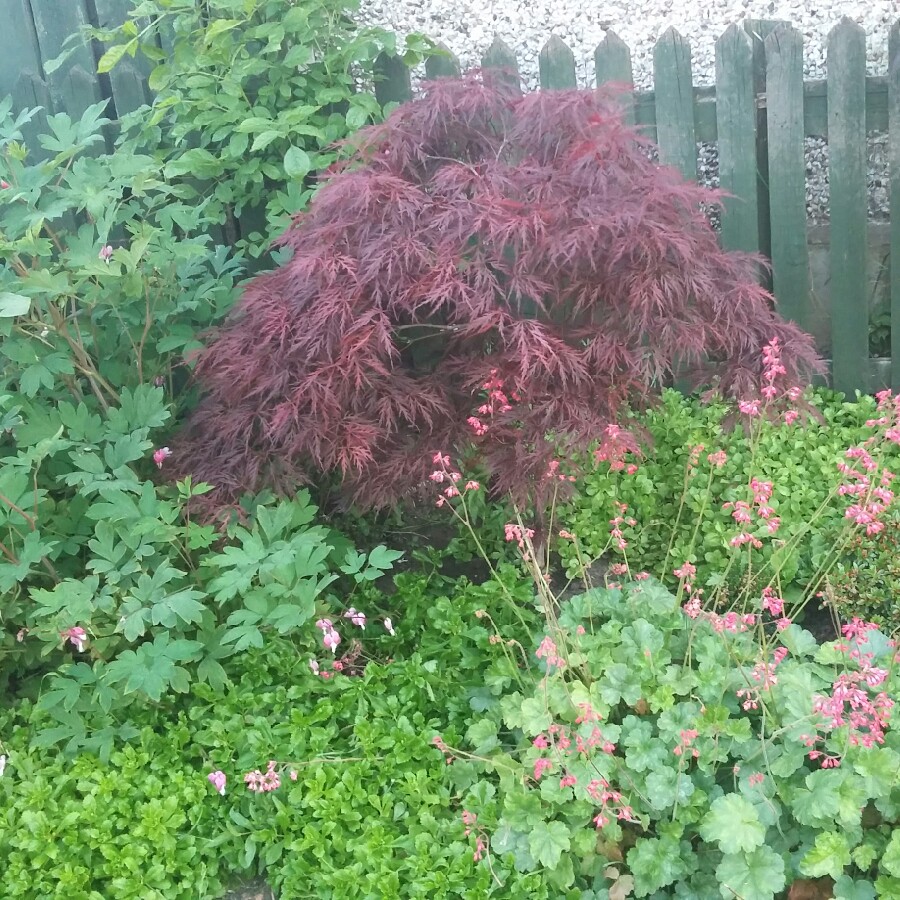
(759, 114)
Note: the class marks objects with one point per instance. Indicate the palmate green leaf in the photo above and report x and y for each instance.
(757, 875)
(547, 843)
(830, 856)
(733, 823)
(655, 863)
(890, 861)
(846, 888)
(12, 305)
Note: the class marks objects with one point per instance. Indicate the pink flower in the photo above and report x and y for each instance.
(389, 627)
(541, 764)
(324, 624)
(105, 253)
(717, 459)
(4, 184)
(314, 667)
(472, 485)
(356, 617)
(749, 407)
(20, 634)
(217, 779)
(160, 456)
(293, 774)
(76, 636)
(331, 639)
(261, 783)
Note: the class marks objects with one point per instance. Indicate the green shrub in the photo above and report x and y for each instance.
(250, 99)
(658, 755)
(680, 516)
(372, 813)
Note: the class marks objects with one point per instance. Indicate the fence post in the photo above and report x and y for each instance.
(128, 78)
(503, 61)
(612, 64)
(736, 125)
(846, 65)
(74, 86)
(787, 172)
(674, 90)
(894, 161)
(556, 65)
(445, 65)
(392, 84)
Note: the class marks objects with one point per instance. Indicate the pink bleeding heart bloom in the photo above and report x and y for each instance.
(160, 456)
(4, 183)
(389, 627)
(314, 667)
(331, 639)
(217, 779)
(356, 617)
(76, 636)
(105, 253)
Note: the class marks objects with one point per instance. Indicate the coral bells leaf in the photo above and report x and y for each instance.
(457, 281)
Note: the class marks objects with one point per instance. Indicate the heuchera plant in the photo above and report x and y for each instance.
(483, 268)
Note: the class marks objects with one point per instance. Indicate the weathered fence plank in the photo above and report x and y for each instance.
(128, 78)
(846, 65)
(19, 54)
(502, 61)
(612, 65)
(392, 84)
(556, 65)
(736, 120)
(675, 103)
(444, 66)
(787, 172)
(74, 86)
(894, 163)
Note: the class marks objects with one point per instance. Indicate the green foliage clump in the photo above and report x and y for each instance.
(371, 814)
(682, 516)
(659, 755)
(250, 99)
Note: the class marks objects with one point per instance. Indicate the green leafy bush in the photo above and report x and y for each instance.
(371, 813)
(680, 510)
(656, 754)
(105, 579)
(250, 98)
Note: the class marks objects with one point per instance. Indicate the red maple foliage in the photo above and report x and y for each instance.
(476, 234)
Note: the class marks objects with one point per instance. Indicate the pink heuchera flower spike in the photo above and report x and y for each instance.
(160, 456)
(217, 779)
(76, 636)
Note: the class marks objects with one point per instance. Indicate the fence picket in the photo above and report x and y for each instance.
(128, 78)
(612, 65)
(71, 91)
(443, 66)
(894, 162)
(392, 84)
(736, 123)
(787, 172)
(846, 66)
(674, 91)
(502, 60)
(556, 65)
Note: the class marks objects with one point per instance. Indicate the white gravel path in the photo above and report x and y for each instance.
(467, 27)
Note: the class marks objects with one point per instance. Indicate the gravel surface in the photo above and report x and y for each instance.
(467, 28)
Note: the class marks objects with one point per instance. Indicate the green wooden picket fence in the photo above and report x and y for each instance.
(758, 113)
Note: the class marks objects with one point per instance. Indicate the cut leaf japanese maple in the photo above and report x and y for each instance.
(476, 236)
